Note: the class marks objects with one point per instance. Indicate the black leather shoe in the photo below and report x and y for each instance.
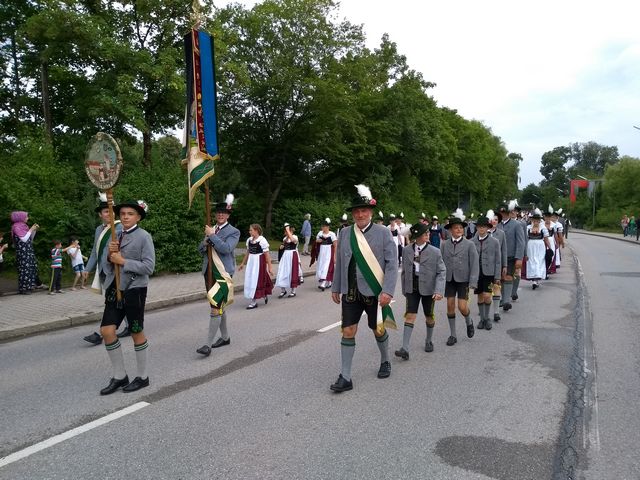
(402, 353)
(125, 333)
(94, 338)
(428, 347)
(342, 385)
(291, 295)
(252, 306)
(282, 294)
(451, 341)
(385, 370)
(266, 299)
(221, 343)
(514, 298)
(506, 307)
(496, 317)
(481, 325)
(470, 330)
(204, 350)
(487, 325)
(114, 385)
(137, 384)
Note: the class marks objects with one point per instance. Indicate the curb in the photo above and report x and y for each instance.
(94, 317)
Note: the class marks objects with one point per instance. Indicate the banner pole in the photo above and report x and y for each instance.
(207, 208)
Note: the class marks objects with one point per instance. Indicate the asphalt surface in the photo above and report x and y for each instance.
(495, 406)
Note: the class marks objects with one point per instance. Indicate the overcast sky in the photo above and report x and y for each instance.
(540, 74)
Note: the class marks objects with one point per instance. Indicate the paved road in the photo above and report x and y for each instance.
(494, 406)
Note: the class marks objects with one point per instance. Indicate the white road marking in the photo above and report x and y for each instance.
(70, 434)
(328, 327)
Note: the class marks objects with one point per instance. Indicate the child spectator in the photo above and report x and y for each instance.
(77, 263)
(56, 268)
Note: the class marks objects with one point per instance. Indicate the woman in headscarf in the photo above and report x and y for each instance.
(22, 236)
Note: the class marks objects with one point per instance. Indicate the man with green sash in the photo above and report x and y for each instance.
(365, 277)
(223, 238)
(98, 258)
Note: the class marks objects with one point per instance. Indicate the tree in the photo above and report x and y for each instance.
(593, 157)
(553, 168)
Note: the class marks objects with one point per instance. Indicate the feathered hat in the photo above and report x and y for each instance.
(102, 202)
(456, 218)
(344, 217)
(363, 199)
(326, 222)
(227, 205)
(537, 214)
(139, 206)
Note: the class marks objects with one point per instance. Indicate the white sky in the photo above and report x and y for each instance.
(540, 74)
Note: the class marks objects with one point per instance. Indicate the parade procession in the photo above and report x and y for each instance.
(311, 239)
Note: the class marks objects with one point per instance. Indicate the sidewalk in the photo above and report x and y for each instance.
(615, 236)
(22, 315)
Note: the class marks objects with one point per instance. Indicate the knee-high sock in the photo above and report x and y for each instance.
(347, 349)
(383, 346)
(406, 338)
(487, 309)
(467, 318)
(506, 293)
(496, 304)
(223, 327)
(141, 358)
(214, 324)
(452, 324)
(516, 283)
(117, 359)
(429, 333)
(481, 311)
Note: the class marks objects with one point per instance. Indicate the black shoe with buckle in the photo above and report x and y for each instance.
(114, 384)
(451, 341)
(94, 338)
(428, 347)
(496, 317)
(221, 342)
(204, 350)
(385, 370)
(402, 353)
(342, 385)
(137, 384)
(470, 330)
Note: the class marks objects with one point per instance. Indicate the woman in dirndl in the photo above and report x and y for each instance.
(550, 256)
(289, 267)
(326, 242)
(537, 247)
(257, 278)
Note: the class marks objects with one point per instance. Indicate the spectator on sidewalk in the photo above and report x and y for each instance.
(624, 223)
(27, 264)
(56, 267)
(3, 247)
(77, 263)
(631, 229)
(305, 231)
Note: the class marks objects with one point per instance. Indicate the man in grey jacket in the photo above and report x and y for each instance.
(352, 287)
(135, 254)
(515, 251)
(223, 238)
(502, 239)
(461, 259)
(423, 278)
(98, 258)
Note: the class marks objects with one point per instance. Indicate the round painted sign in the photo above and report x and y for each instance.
(103, 161)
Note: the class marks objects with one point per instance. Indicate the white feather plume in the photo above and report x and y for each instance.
(537, 212)
(550, 209)
(229, 199)
(102, 197)
(344, 217)
(459, 213)
(559, 211)
(512, 205)
(364, 191)
(380, 214)
(490, 214)
(424, 215)
(327, 220)
(401, 214)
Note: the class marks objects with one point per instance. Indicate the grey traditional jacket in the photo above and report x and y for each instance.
(502, 239)
(140, 260)
(432, 272)
(93, 258)
(381, 242)
(489, 255)
(461, 261)
(224, 243)
(515, 238)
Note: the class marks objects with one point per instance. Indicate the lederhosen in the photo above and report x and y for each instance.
(485, 282)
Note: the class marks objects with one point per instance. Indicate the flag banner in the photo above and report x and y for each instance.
(200, 138)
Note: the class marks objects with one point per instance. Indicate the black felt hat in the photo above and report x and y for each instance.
(139, 206)
(226, 206)
(483, 222)
(363, 199)
(419, 229)
(453, 220)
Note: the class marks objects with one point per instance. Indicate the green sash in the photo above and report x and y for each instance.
(371, 271)
(221, 294)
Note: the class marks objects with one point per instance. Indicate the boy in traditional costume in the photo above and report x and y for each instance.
(490, 262)
(423, 278)
(515, 251)
(366, 274)
(495, 232)
(461, 260)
